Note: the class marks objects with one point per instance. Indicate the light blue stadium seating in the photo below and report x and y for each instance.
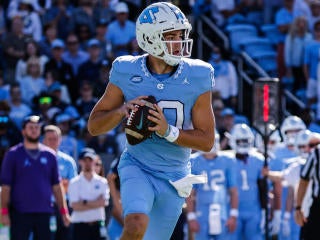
(238, 33)
(267, 61)
(255, 45)
(271, 32)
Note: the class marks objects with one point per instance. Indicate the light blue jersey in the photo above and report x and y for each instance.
(283, 159)
(67, 166)
(176, 95)
(248, 173)
(221, 173)
(145, 168)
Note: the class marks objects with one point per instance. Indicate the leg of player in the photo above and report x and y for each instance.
(135, 226)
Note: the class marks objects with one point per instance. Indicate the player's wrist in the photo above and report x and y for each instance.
(298, 208)
(234, 212)
(166, 134)
(64, 211)
(173, 134)
(191, 216)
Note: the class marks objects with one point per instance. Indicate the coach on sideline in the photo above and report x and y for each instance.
(310, 171)
(29, 177)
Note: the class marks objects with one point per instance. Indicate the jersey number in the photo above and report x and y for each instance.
(245, 185)
(178, 106)
(217, 178)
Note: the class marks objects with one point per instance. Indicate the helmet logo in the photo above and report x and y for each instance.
(147, 16)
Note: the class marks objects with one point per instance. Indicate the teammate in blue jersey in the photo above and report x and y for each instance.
(213, 207)
(285, 151)
(249, 165)
(155, 174)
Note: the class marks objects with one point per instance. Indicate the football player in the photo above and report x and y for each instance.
(155, 174)
(213, 207)
(249, 165)
(289, 129)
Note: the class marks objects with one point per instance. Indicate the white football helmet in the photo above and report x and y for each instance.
(242, 138)
(274, 141)
(302, 143)
(289, 129)
(153, 22)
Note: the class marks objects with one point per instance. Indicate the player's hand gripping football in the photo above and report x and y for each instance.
(157, 116)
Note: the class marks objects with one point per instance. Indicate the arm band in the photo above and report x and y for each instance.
(234, 212)
(287, 215)
(4, 211)
(191, 216)
(173, 134)
(64, 211)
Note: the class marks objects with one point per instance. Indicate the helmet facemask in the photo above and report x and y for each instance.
(169, 55)
(243, 146)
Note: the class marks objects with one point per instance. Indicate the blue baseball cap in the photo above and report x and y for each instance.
(227, 112)
(57, 43)
(87, 152)
(93, 43)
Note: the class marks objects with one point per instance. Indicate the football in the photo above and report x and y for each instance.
(136, 126)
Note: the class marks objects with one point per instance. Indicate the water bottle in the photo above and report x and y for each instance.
(103, 230)
(4, 232)
(53, 223)
(215, 227)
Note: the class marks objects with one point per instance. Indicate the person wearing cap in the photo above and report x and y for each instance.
(62, 69)
(121, 32)
(29, 178)
(74, 55)
(101, 31)
(90, 69)
(88, 196)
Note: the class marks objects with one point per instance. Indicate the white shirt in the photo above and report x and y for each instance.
(81, 189)
(227, 84)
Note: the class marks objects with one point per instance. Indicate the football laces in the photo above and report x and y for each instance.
(131, 116)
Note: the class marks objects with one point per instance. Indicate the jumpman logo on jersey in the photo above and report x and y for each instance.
(185, 81)
(27, 162)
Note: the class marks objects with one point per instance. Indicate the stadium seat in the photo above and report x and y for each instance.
(271, 32)
(267, 60)
(254, 45)
(238, 33)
